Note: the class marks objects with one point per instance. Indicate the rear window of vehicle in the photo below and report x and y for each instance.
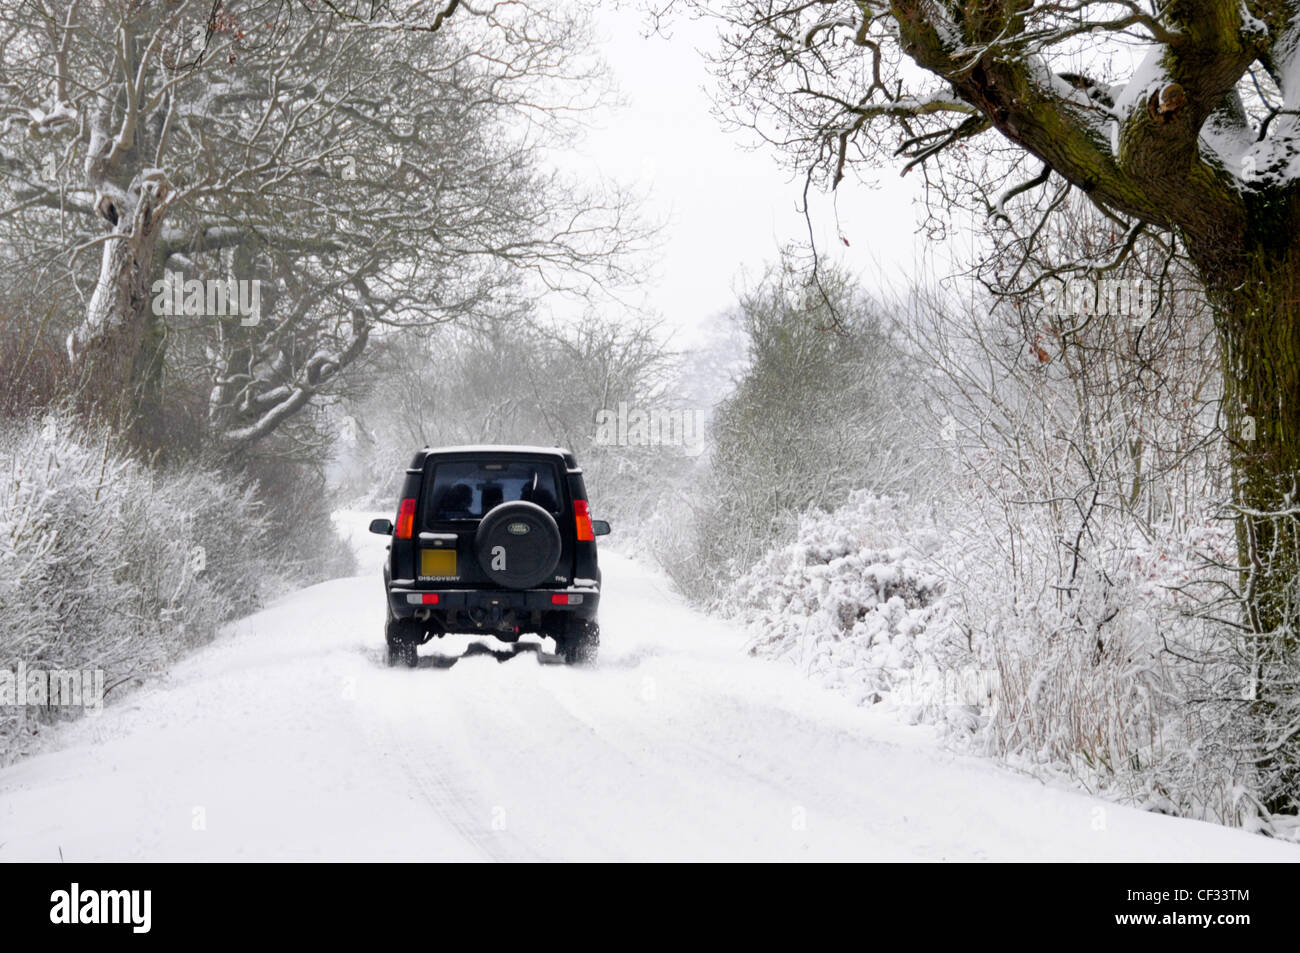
(467, 489)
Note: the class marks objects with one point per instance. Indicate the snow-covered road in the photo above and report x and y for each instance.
(289, 739)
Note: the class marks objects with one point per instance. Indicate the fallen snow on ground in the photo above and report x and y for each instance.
(289, 739)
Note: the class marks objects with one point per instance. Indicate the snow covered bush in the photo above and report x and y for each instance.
(1092, 557)
(859, 601)
(107, 564)
(1117, 680)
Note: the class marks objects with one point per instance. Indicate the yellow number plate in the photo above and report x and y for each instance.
(437, 563)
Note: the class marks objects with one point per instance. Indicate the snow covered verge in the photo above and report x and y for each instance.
(110, 569)
(1115, 687)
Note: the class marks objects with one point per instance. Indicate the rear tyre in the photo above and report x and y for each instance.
(581, 643)
(410, 654)
(403, 636)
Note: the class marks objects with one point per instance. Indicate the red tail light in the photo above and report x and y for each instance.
(405, 519)
(582, 516)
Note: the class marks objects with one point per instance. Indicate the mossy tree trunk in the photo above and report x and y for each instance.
(1258, 311)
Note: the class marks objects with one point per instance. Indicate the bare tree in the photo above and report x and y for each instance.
(361, 172)
(519, 379)
(819, 410)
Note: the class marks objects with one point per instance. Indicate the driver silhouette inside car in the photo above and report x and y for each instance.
(457, 503)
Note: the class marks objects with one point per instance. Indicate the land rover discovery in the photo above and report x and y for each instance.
(495, 541)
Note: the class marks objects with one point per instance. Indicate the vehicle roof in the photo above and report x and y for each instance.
(498, 448)
(570, 462)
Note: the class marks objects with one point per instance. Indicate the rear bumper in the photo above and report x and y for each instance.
(407, 602)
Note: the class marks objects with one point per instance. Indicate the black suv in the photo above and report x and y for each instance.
(493, 541)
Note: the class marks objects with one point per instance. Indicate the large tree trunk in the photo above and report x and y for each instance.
(1258, 306)
(117, 347)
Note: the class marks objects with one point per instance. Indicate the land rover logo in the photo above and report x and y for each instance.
(518, 529)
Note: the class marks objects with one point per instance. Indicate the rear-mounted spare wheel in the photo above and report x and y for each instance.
(518, 545)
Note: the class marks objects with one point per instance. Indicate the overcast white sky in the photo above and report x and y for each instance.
(727, 207)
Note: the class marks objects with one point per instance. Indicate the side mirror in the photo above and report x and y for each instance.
(599, 528)
(381, 527)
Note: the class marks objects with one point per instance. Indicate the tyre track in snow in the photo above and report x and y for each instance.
(429, 765)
